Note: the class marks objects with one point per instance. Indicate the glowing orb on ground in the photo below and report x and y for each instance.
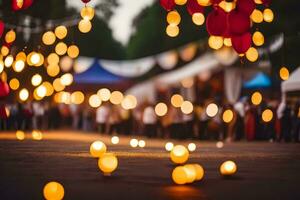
(228, 168)
(179, 154)
(108, 163)
(54, 191)
(97, 149)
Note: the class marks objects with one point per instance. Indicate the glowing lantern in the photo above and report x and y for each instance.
(48, 38)
(95, 101)
(61, 48)
(192, 147)
(179, 175)
(176, 100)
(241, 43)
(108, 163)
(77, 97)
(212, 110)
(252, 54)
(258, 38)
(73, 51)
(97, 149)
(169, 146)
(18, 65)
(142, 143)
(84, 26)
(66, 79)
(115, 140)
(284, 73)
(54, 191)
(227, 116)
(172, 30)
(134, 143)
(4, 50)
(20, 135)
(198, 19)
(37, 135)
(41, 91)
(173, 17)
(187, 107)
(53, 70)
(23, 94)
(239, 22)
(268, 15)
(257, 16)
(8, 61)
(179, 154)
(4, 87)
(215, 42)
(180, 2)
(14, 84)
(267, 115)
(36, 80)
(204, 2)
(53, 58)
(10, 36)
(228, 168)
(161, 109)
(57, 85)
(87, 13)
(104, 94)
(256, 98)
(61, 32)
(116, 97)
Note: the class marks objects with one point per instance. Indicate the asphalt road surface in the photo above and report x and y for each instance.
(265, 170)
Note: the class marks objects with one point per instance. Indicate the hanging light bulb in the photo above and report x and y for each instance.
(84, 26)
(61, 32)
(258, 38)
(87, 13)
(73, 51)
(48, 38)
(172, 30)
(173, 17)
(252, 54)
(198, 18)
(215, 42)
(61, 48)
(268, 15)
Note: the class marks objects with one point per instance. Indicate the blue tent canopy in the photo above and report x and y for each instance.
(260, 80)
(96, 74)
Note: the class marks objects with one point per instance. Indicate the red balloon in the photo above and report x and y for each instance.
(27, 3)
(245, 6)
(216, 1)
(238, 22)
(194, 7)
(167, 4)
(267, 2)
(241, 43)
(85, 1)
(1, 28)
(4, 89)
(216, 22)
(14, 5)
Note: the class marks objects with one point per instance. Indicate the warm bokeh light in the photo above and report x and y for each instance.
(57, 85)
(14, 84)
(36, 80)
(36, 135)
(49, 88)
(77, 97)
(215, 42)
(116, 97)
(66, 79)
(95, 101)
(61, 48)
(256, 98)
(187, 82)
(198, 19)
(180, 2)
(104, 94)
(23, 94)
(284, 73)
(258, 38)
(134, 142)
(52, 59)
(173, 17)
(252, 54)
(129, 102)
(108, 163)
(66, 63)
(73, 51)
(87, 13)
(97, 149)
(53, 191)
(179, 175)
(20, 135)
(172, 30)
(204, 2)
(1, 66)
(227, 116)
(228, 168)
(61, 32)
(84, 26)
(257, 16)
(142, 143)
(179, 154)
(161, 109)
(53, 70)
(268, 15)
(8, 61)
(219, 144)
(41, 91)
(227, 6)
(187, 107)
(177, 100)
(115, 140)
(18, 65)
(48, 38)
(169, 146)
(10, 36)
(212, 110)
(192, 147)
(227, 42)
(199, 172)
(267, 115)
(4, 50)
(34, 58)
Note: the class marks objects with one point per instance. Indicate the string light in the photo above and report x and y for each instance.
(161, 109)
(84, 26)
(14, 84)
(36, 80)
(87, 13)
(172, 30)
(48, 38)
(61, 32)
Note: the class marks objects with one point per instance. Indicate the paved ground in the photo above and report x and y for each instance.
(266, 170)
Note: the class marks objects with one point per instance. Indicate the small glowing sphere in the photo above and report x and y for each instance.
(23, 94)
(54, 191)
(87, 13)
(36, 80)
(134, 143)
(191, 173)
(66, 63)
(19, 65)
(228, 168)
(41, 91)
(192, 147)
(187, 82)
(219, 144)
(187, 107)
(257, 16)
(179, 154)
(8, 61)
(53, 59)
(215, 42)
(142, 143)
(252, 54)
(67, 79)
(95, 101)
(198, 19)
(129, 102)
(48, 38)
(14, 84)
(161, 109)
(57, 85)
(35, 58)
(115, 140)
(258, 1)
(97, 149)
(37, 135)
(227, 116)
(268, 15)
(61, 48)
(104, 94)
(1, 66)
(204, 2)
(84, 26)
(53, 70)
(169, 146)
(180, 2)
(116, 97)
(284, 73)
(256, 98)
(77, 97)
(258, 38)
(173, 17)
(10, 36)
(176, 100)
(108, 163)
(179, 175)
(199, 172)
(21, 56)
(172, 30)
(4, 50)
(73, 51)
(49, 88)
(212, 110)
(20, 135)
(61, 32)
(227, 42)
(267, 115)
(227, 6)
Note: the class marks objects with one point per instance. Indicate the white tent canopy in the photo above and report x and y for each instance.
(293, 83)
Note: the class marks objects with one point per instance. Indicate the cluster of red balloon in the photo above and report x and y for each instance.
(20, 4)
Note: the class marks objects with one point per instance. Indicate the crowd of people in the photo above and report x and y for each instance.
(246, 123)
